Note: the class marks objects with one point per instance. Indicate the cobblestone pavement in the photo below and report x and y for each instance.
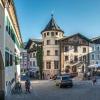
(46, 90)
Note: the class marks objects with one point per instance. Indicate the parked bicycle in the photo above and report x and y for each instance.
(17, 88)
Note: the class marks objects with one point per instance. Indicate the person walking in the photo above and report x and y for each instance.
(27, 86)
(94, 80)
(19, 87)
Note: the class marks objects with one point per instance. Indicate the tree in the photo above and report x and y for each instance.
(39, 56)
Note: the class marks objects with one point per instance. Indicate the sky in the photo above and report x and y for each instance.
(73, 16)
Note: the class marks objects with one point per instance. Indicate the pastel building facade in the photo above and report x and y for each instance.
(95, 51)
(10, 43)
(31, 48)
(51, 48)
(74, 53)
(23, 60)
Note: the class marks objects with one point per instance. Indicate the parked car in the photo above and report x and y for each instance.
(63, 81)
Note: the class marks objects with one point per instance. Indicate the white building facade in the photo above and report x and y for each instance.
(95, 51)
(11, 41)
(74, 54)
(31, 48)
(2, 53)
(23, 60)
(51, 50)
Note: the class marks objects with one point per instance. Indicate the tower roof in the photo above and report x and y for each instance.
(52, 25)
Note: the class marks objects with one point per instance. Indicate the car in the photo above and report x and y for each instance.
(63, 81)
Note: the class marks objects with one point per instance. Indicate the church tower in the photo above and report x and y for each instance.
(51, 48)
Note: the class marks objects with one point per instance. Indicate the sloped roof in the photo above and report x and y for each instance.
(96, 40)
(30, 41)
(79, 34)
(52, 25)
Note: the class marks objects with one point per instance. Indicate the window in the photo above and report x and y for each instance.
(56, 42)
(48, 42)
(92, 56)
(17, 60)
(84, 58)
(66, 58)
(30, 63)
(75, 49)
(11, 60)
(98, 48)
(98, 57)
(66, 48)
(48, 52)
(52, 33)
(10, 31)
(6, 59)
(7, 28)
(56, 33)
(75, 58)
(44, 34)
(48, 65)
(93, 48)
(80, 58)
(84, 50)
(47, 33)
(34, 55)
(56, 64)
(30, 55)
(33, 63)
(56, 52)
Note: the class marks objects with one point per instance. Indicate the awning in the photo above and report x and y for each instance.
(94, 66)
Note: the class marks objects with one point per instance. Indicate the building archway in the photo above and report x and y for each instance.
(1, 76)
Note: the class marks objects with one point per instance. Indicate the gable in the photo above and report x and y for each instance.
(97, 41)
(76, 39)
(31, 45)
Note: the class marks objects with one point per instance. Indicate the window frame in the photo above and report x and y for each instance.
(84, 49)
(48, 52)
(56, 53)
(48, 42)
(48, 64)
(52, 33)
(56, 64)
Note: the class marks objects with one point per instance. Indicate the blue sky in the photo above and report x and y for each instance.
(72, 16)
